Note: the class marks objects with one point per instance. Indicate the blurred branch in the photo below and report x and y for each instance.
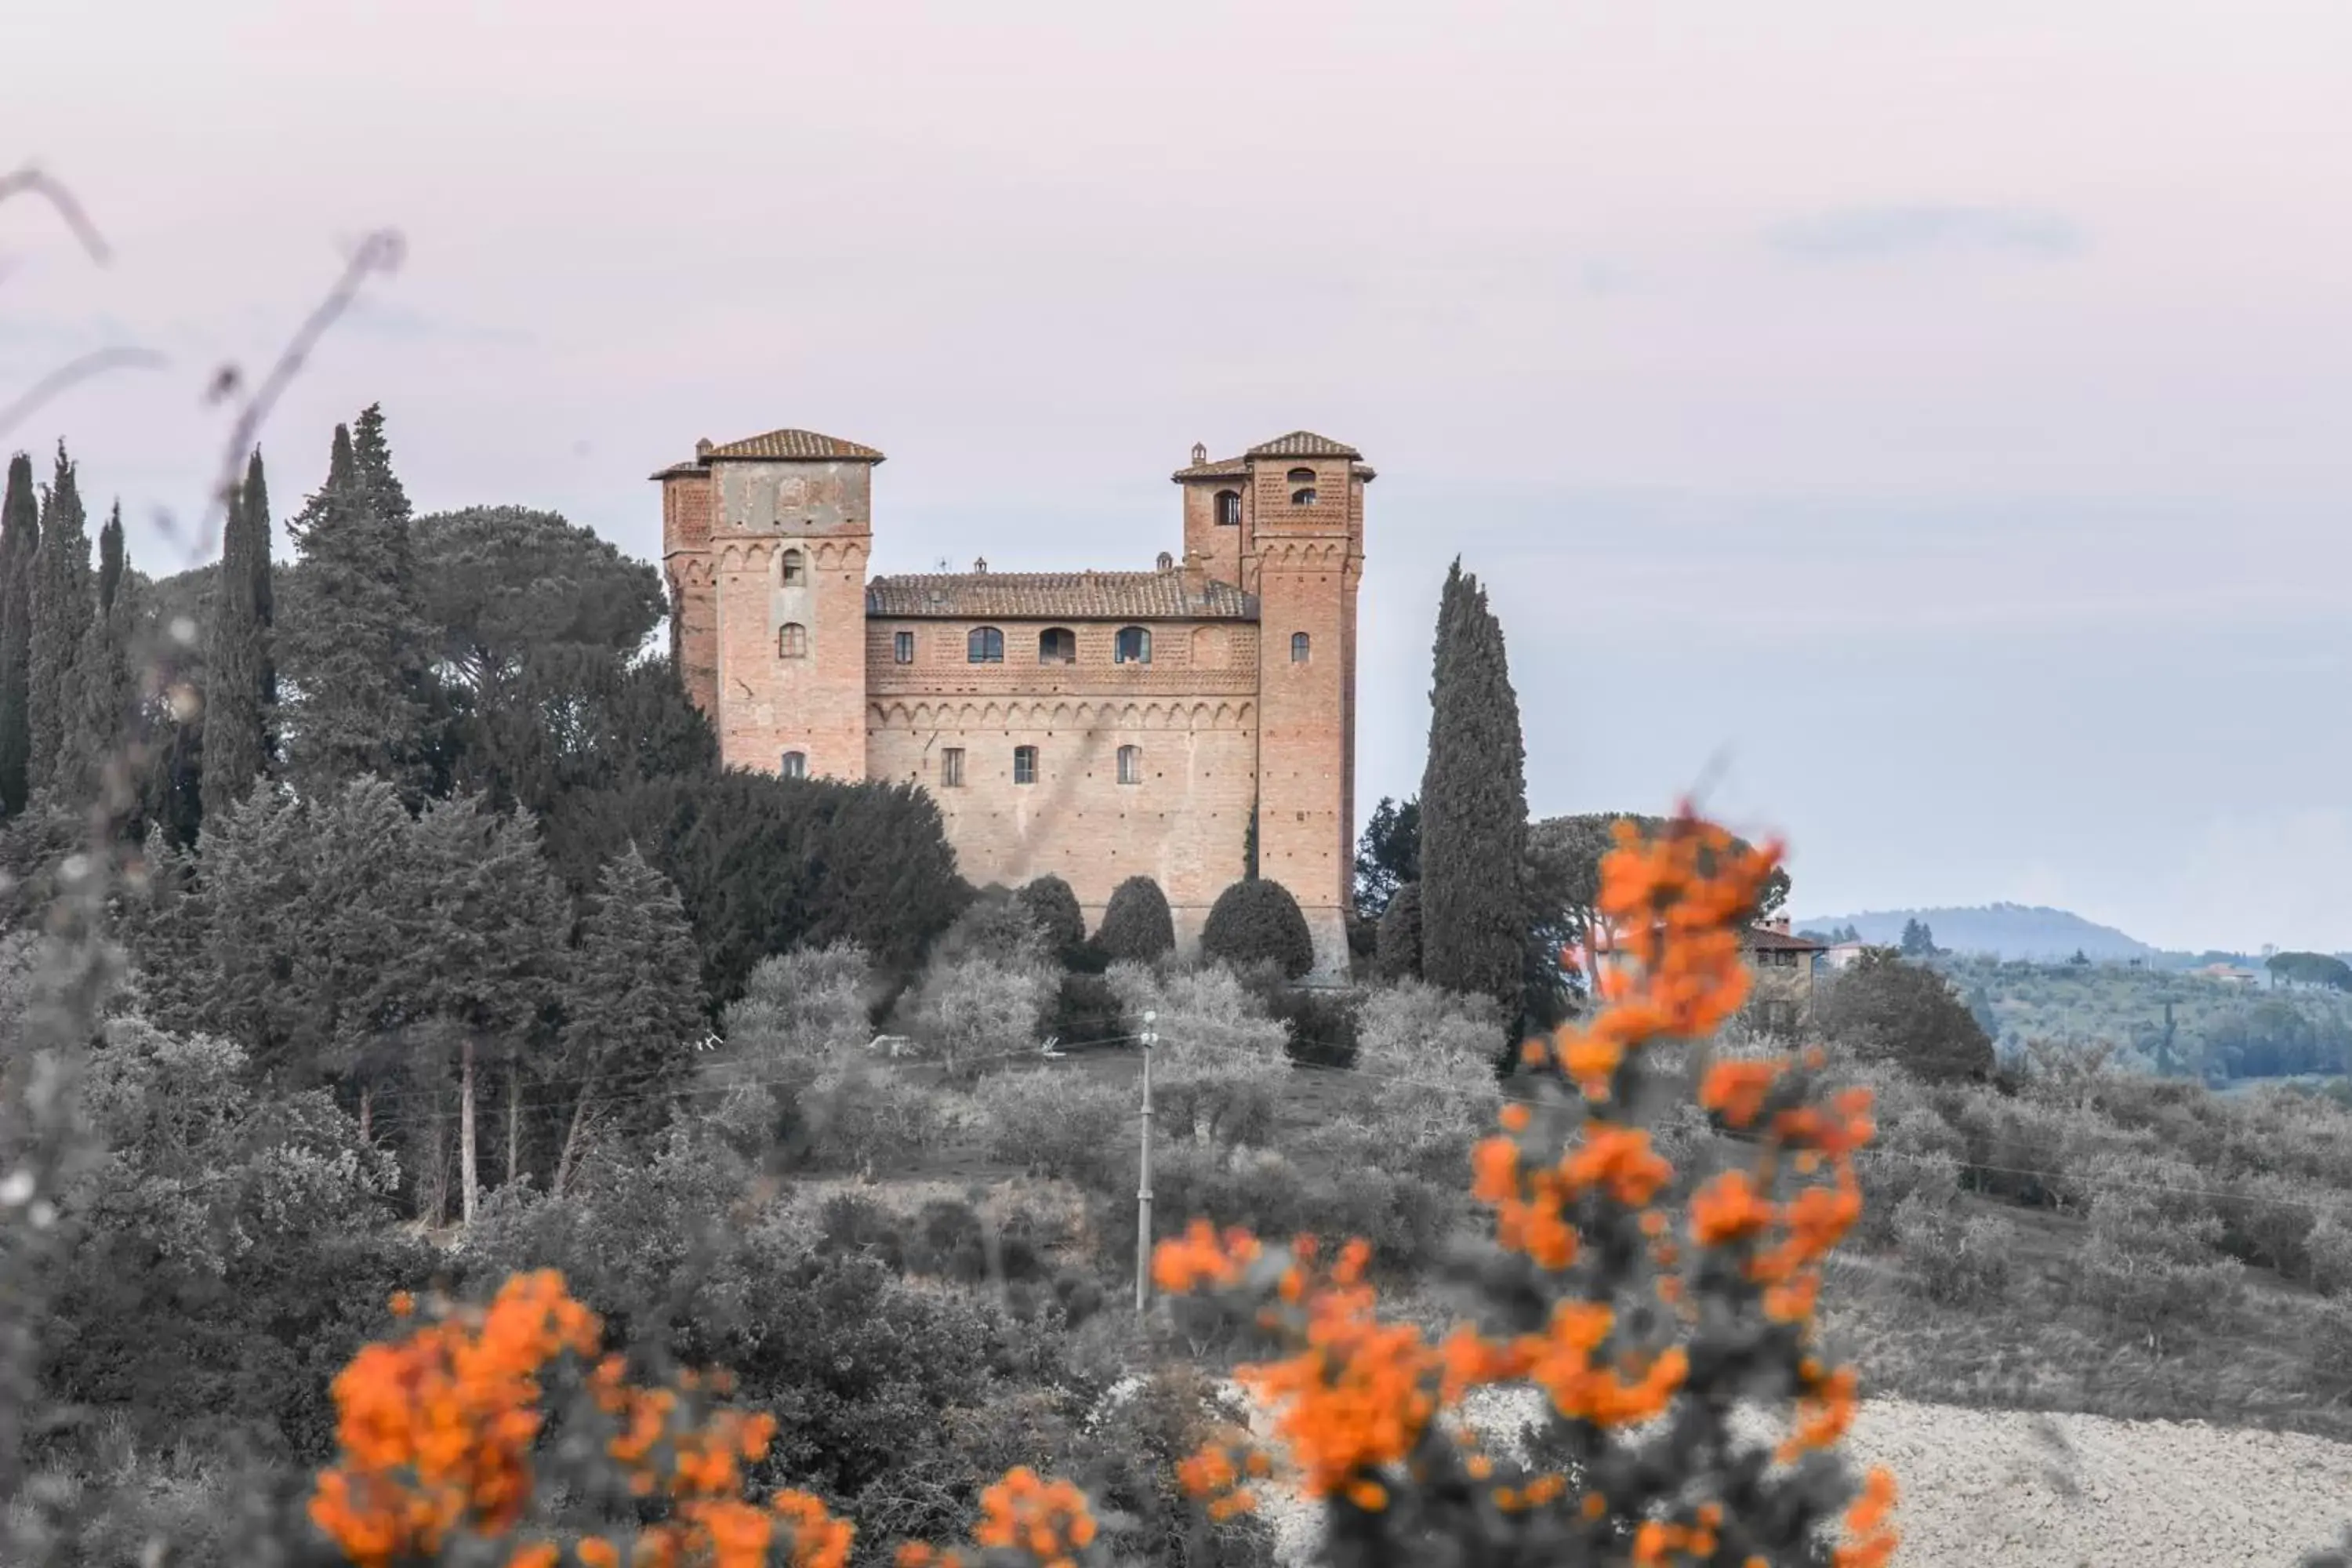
(72, 372)
(30, 181)
(379, 252)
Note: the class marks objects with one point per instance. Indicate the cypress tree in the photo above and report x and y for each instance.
(98, 727)
(1257, 921)
(239, 680)
(61, 615)
(1473, 806)
(20, 532)
(353, 642)
(1137, 924)
(634, 1002)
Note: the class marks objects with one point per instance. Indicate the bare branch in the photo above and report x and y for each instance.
(72, 372)
(30, 181)
(381, 251)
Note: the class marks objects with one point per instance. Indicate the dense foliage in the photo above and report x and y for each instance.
(1258, 921)
(1885, 1007)
(1137, 924)
(1473, 806)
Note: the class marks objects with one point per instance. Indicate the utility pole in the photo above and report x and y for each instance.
(1143, 1181)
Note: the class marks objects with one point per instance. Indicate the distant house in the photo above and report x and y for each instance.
(1782, 964)
(2230, 973)
(1839, 955)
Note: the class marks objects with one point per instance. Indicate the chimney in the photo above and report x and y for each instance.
(1196, 575)
(979, 565)
(1780, 923)
(702, 449)
(1200, 453)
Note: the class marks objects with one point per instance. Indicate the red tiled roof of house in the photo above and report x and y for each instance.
(1055, 596)
(1764, 938)
(788, 446)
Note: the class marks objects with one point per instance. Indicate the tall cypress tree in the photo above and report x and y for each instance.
(1473, 806)
(354, 644)
(239, 679)
(62, 607)
(99, 726)
(20, 534)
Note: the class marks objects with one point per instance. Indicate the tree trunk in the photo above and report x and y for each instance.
(571, 1140)
(367, 1111)
(514, 1122)
(465, 1194)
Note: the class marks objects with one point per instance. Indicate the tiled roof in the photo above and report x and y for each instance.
(1055, 596)
(1223, 468)
(678, 471)
(788, 445)
(1764, 938)
(1304, 444)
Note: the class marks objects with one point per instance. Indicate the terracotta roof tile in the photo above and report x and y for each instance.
(679, 470)
(1223, 468)
(789, 445)
(1763, 937)
(1304, 444)
(1055, 596)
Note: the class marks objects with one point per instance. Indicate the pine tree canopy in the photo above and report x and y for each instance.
(98, 746)
(1473, 806)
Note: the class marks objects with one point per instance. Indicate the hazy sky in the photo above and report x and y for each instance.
(1934, 423)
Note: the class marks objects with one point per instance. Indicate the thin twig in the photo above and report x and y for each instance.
(31, 181)
(381, 251)
(72, 372)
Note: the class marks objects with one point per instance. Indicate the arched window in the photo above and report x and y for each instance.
(795, 765)
(1298, 646)
(985, 645)
(794, 574)
(1131, 764)
(791, 640)
(1024, 764)
(1133, 646)
(1057, 644)
(1229, 508)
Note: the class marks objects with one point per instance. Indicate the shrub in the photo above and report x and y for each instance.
(1052, 908)
(1434, 1053)
(2328, 1245)
(1087, 1012)
(1882, 1006)
(980, 1006)
(2267, 1220)
(1891, 1178)
(1322, 1023)
(997, 927)
(1957, 1259)
(1397, 953)
(1061, 1122)
(1136, 925)
(805, 1003)
(1258, 921)
(856, 1113)
(1220, 1065)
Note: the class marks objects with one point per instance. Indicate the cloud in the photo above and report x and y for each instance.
(1882, 232)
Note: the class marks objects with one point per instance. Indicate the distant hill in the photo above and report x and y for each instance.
(2007, 930)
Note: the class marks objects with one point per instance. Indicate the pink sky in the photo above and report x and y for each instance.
(1962, 392)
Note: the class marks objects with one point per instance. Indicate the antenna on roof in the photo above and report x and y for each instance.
(942, 565)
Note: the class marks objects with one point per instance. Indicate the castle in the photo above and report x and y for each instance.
(1094, 725)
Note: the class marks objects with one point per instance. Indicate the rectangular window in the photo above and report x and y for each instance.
(951, 767)
(1131, 764)
(902, 647)
(1024, 764)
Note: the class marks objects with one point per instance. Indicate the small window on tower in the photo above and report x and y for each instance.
(1057, 644)
(795, 765)
(1024, 764)
(1229, 508)
(1131, 764)
(1133, 646)
(984, 646)
(1299, 647)
(902, 647)
(1302, 487)
(951, 768)
(793, 564)
(791, 640)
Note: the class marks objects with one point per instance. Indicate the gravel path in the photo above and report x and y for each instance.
(2005, 1489)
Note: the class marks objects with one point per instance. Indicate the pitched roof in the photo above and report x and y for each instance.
(1223, 468)
(789, 445)
(1764, 938)
(1303, 444)
(1055, 596)
(678, 471)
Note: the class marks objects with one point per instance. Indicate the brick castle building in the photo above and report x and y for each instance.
(1095, 725)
